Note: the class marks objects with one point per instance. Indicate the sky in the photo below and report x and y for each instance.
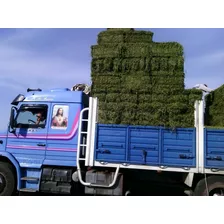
(54, 58)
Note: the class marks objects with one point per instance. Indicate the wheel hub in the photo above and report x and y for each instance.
(2, 183)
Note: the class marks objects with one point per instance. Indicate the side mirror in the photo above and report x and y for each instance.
(12, 118)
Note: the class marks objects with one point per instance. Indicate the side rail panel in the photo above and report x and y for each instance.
(214, 149)
(146, 145)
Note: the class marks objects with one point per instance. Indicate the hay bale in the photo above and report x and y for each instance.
(144, 98)
(167, 64)
(139, 50)
(214, 108)
(177, 108)
(113, 97)
(132, 98)
(106, 79)
(124, 36)
(168, 90)
(167, 80)
(99, 88)
(168, 73)
(120, 30)
(134, 83)
(106, 51)
(167, 49)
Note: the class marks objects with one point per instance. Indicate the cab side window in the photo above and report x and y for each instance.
(32, 116)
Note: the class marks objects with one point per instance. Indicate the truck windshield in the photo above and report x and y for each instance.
(31, 117)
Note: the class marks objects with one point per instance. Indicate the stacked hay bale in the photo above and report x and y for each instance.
(140, 82)
(214, 115)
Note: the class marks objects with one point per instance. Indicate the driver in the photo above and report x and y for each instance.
(40, 118)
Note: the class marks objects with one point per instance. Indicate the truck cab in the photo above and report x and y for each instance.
(43, 132)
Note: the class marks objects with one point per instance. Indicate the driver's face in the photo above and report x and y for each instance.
(39, 116)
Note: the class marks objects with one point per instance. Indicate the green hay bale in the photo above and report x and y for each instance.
(128, 116)
(167, 90)
(216, 95)
(113, 97)
(177, 108)
(124, 36)
(108, 117)
(129, 65)
(111, 106)
(102, 65)
(99, 88)
(175, 63)
(215, 120)
(167, 64)
(106, 51)
(136, 83)
(110, 37)
(163, 98)
(156, 119)
(97, 65)
(101, 97)
(193, 95)
(155, 64)
(139, 37)
(133, 98)
(193, 98)
(181, 120)
(147, 66)
(167, 49)
(164, 64)
(214, 115)
(168, 73)
(167, 80)
(120, 107)
(120, 30)
(108, 65)
(106, 80)
(129, 106)
(146, 107)
(117, 65)
(144, 98)
(138, 50)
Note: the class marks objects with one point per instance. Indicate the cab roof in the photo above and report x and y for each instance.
(64, 95)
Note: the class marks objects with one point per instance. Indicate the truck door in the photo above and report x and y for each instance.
(63, 134)
(28, 143)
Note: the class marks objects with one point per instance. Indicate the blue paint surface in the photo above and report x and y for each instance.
(214, 148)
(145, 145)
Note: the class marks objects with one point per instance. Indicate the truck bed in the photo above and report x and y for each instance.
(146, 145)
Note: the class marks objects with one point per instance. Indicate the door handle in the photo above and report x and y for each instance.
(41, 144)
(1, 142)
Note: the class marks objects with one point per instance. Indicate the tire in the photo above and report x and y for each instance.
(7, 179)
(213, 183)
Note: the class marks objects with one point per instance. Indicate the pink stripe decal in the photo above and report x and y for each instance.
(25, 147)
(41, 148)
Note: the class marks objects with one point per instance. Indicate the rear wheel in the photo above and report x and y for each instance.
(7, 179)
(213, 187)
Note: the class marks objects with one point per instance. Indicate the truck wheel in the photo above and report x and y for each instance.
(7, 179)
(215, 187)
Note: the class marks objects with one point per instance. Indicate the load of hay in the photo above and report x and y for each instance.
(140, 82)
(214, 115)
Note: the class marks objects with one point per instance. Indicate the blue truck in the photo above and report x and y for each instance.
(54, 144)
